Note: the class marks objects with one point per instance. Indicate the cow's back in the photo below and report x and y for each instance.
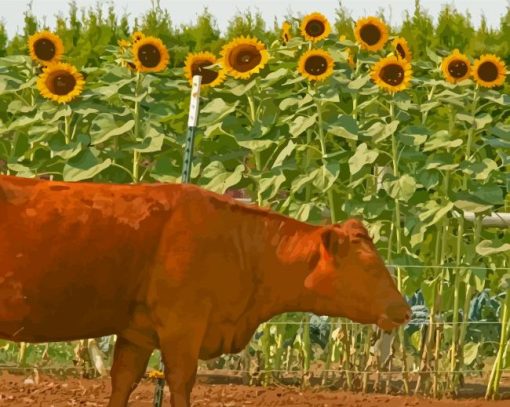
(74, 256)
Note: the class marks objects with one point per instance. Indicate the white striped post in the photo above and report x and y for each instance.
(194, 106)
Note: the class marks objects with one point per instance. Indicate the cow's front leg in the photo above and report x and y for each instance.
(180, 339)
(129, 364)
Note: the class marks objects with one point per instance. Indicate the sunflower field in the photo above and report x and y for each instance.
(408, 128)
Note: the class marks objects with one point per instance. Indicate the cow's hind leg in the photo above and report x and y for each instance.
(129, 364)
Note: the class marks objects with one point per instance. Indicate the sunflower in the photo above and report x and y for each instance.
(150, 55)
(60, 82)
(286, 35)
(402, 48)
(196, 65)
(243, 57)
(456, 67)
(371, 33)
(137, 36)
(315, 65)
(392, 73)
(45, 47)
(489, 71)
(315, 27)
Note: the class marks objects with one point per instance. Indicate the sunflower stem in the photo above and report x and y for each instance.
(67, 127)
(398, 234)
(331, 200)
(457, 340)
(258, 162)
(136, 154)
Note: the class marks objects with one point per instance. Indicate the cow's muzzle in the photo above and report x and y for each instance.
(396, 314)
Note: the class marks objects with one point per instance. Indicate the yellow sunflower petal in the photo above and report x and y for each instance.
(60, 82)
(196, 64)
(315, 27)
(401, 48)
(286, 35)
(456, 67)
(150, 55)
(392, 73)
(316, 65)
(489, 71)
(45, 47)
(243, 57)
(371, 33)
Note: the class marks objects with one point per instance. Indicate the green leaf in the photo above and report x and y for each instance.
(489, 247)
(224, 180)
(470, 352)
(441, 161)
(68, 151)
(274, 77)
(303, 179)
(481, 170)
(362, 157)
(286, 152)
(432, 212)
(433, 56)
(500, 99)
(242, 88)
(152, 142)
(301, 124)
(471, 206)
(345, 127)
(215, 110)
(441, 139)
(270, 184)
(112, 89)
(402, 189)
(358, 82)
(326, 175)
(414, 135)
(288, 103)
(84, 166)
(104, 127)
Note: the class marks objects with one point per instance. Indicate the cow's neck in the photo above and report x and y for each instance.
(289, 250)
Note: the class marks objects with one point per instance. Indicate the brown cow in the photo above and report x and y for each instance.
(173, 267)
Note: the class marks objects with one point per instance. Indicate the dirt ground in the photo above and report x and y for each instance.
(45, 391)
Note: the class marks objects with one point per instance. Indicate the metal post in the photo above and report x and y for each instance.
(185, 178)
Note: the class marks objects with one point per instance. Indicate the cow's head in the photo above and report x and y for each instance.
(350, 279)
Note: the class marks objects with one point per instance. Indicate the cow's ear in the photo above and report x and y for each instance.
(334, 242)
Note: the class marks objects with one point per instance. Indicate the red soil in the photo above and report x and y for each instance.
(54, 392)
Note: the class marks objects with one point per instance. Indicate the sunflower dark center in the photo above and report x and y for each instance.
(392, 74)
(401, 50)
(315, 28)
(316, 65)
(61, 83)
(244, 58)
(487, 71)
(370, 33)
(208, 75)
(457, 68)
(149, 55)
(44, 49)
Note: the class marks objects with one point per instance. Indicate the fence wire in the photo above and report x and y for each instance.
(446, 267)
(414, 322)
